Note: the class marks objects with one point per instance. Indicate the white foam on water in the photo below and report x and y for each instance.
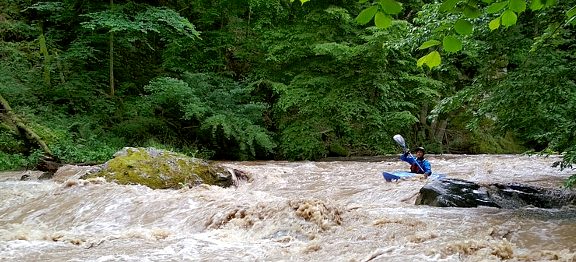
(290, 211)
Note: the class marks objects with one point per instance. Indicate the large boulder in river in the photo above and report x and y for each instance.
(161, 169)
(462, 193)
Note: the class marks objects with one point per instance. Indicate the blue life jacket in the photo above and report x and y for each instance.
(414, 162)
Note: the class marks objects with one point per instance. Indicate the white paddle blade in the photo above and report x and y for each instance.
(400, 141)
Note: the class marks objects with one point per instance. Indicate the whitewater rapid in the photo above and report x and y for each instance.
(289, 211)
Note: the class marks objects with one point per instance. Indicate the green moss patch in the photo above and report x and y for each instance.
(161, 169)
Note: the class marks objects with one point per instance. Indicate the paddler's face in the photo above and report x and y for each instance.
(419, 153)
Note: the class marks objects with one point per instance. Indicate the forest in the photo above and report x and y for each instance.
(285, 80)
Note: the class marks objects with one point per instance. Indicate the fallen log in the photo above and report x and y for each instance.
(10, 120)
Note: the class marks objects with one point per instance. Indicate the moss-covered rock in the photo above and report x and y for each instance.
(161, 169)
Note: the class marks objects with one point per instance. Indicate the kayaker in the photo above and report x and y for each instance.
(418, 165)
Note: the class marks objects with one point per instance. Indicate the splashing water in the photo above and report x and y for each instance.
(291, 211)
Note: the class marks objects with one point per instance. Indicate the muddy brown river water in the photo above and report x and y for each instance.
(290, 211)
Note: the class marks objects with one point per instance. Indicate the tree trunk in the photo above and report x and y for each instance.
(425, 130)
(441, 130)
(112, 55)
(436, 130)
(49, 162)
(47, 57)
(14, 122)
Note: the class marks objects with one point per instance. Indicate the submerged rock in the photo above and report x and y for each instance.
(161, 169)
(462, 193)
(67, 172)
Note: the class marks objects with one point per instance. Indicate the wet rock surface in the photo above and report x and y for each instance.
(162, 169)
(151, 167)
(461, 193)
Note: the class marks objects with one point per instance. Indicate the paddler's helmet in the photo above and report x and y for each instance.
(420, 149)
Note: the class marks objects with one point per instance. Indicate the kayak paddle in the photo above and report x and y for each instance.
(402, 143)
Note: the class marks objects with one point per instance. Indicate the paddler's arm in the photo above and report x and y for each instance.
(427, 168)
(408, 158)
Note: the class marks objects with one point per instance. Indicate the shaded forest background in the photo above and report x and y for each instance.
(274, 79)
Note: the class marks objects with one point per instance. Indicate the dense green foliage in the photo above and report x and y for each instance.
(281, 79)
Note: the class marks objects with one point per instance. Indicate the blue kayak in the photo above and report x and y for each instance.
(397, 175)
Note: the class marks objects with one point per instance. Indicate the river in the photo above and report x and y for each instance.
(289, 211)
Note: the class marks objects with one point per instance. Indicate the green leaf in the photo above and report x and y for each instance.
(471, 11)
(571, 13)
(550, 3)
(494, 24)
(421, 61)
(536, 5)
(366, 15)
(391, 7)
(451, 43)
(509, 18)
(518, 6)
(448, 5)
(463, 27)
(429, 43)
(301, 1)
(362, 1)
(382, 20)
(432, 59)
(496, 7)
